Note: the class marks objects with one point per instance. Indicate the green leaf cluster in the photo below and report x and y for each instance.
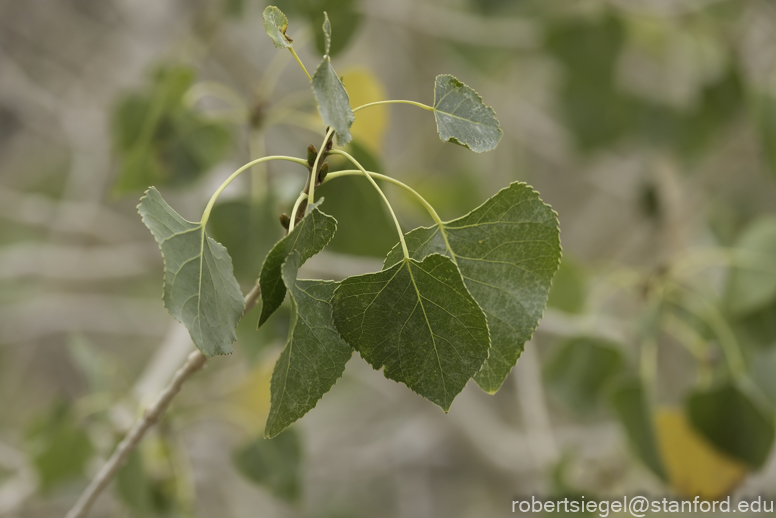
(159, 140)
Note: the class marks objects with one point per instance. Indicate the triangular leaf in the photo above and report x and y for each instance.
(462, 118)
(308, 238)
(416, 320)
(200, 290)
(275, 464)
(508, 250)
(276, 24)
(733, 422)
(314, 357)
(330, 93)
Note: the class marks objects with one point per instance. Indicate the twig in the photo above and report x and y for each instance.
(194, 363)
(153, 414)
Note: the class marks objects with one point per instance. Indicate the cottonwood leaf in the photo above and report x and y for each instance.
(200, 290)
(308, 238)
(417, 321)
(276, 465)
(276, 24)
(462, 117)
(330, 93)
(734, 422)
(314, 357)
(632, 408)
(507, 250)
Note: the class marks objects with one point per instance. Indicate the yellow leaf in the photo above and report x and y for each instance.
(363, 87)
(695, 467)
(248, 403)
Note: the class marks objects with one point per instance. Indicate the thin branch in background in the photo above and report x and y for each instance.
(195, 361)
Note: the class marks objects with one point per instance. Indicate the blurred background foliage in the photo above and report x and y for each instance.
(648, 125)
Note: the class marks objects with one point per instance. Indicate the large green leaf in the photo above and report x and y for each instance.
(199, 285)
(631, 406)
(462, 117)
(274, 464)
(330, 93)
(580, 370)
(314, 357)
(507, 250)
(751, 286)
(276, 24)
(416, 320)
(308, 238)
(734, 422)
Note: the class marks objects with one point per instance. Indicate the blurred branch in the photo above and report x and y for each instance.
(504, 32)
(196, 360)
(76, 262)
(57, 313)
(86, 218)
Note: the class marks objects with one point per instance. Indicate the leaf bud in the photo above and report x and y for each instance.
(312, 153)
(285, 220)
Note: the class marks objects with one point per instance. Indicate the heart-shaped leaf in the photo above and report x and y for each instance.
(314, 357)
(416, 320)
(200, 290)
(276, 24)
(462, 117)
(330, 93)
(507, 250)
(308, 238)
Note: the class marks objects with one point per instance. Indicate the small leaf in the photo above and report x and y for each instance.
(694, 466)
(631, 406)
(332, 98)
(462, 117)
(59, 447)
(734, 423)
(309, 237)
(508, 250)
(326, 34)
(579, 371)
(276, 24)
(417, 320)
(750, 287)
(200, 290)
(314, 357)
(274, 464)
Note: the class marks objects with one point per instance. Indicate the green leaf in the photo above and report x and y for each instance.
(309, 237)
(750, 287)
(159, 140)
(416, 320)
(631, 406)
(59, 447)
(314, 357)
(507, 250)
(200, 290)
(462, 117)
(249, 230)
(734, 422)
(133, 485)
(276, 24)
(274, 464)
(332, 98)
(353, 199)
(344, 16)
(765, 117)
(580, 370)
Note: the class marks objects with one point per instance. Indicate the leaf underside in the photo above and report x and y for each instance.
(462, 118)
(314, 357)
(507, 250)
(308, 238)
(417, 321)
(333, 101)
(200, 290)
(276, 24)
